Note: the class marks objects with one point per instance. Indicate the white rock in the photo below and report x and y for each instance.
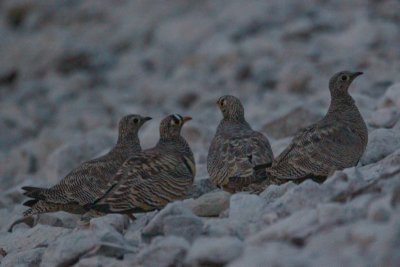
(62, 219)
(214, 251)
(297, 226)
(134, 231)
(380, 210)
(271, 254)
(306, 195)
(395, 197)
(29, 238)
(245, 207)
(118, 221)
(188, 227)
(391, 98)
(156, 225)
(219, 227)
(270, 218)
(381, 143)
(163, 252)
(333, 247)
(330, 214)
(70, 248)
(384, 117)
(210, 204)
(30, 257)
(273, 192)
(101, 261)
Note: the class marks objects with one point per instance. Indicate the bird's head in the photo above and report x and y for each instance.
(172, 124)
(231, 107)
(130, 124)
(340, 82)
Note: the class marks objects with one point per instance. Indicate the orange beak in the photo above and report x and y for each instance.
(186, 118)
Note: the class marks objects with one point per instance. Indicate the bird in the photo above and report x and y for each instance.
(236, 152)
(88, 181)
(335, 142)
(156, 176)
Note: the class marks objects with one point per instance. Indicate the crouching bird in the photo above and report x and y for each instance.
(154, 177)
(237, 153)
(335, 142)
(88, 181)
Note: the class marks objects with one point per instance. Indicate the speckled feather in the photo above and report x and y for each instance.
(236, 148)
(334, 143)
(154, 177)
(88, 181)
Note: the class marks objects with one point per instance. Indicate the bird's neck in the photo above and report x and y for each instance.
(232, 124)
(176, 143)
(341, 103)
(127, 143)
(343, 107)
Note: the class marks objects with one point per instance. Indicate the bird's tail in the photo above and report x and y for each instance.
(35, 192)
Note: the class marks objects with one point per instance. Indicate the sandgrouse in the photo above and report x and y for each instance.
(154, 177)
(236, 148)
(88, 181)
(335, 142)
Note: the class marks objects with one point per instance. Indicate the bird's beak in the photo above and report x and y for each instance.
(147, 118)
(356, 74)
(186, 118)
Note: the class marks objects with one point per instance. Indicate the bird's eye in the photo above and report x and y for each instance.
(135, 120)
(344, 77)
(223, 103)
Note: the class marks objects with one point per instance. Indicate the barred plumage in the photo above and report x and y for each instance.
(155, 177)
(89, 181)
(236, 148)
(334, 143)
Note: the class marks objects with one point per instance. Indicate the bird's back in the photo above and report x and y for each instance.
(88, 181)
(235, 150)
(336, 142)
(149, 181)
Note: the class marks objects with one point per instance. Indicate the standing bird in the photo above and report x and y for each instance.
(236, 149)
(88, 181)
(334, 143)
(155, 177)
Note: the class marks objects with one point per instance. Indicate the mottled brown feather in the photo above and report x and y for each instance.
(236, 148)
(153, 178)
(334, 143)
(88, 181)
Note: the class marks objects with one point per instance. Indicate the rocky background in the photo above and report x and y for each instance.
(70, 69)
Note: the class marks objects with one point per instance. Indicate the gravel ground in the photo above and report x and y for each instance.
(70, 70)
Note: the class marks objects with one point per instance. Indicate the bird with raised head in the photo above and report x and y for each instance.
(89, 180)
(236, 149)
(335, 142)
(154, 177)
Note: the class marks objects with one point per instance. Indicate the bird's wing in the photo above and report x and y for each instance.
(260, 149)
(317, 151)
(236, 156)
(84, 184)
(148, 181)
